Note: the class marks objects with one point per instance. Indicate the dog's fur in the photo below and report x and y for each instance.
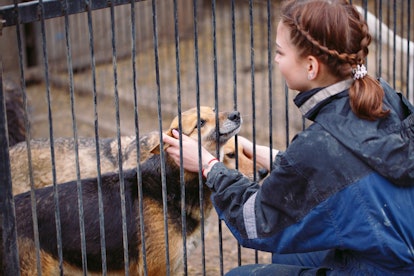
(229, 125)
(15, 112)
(65, 162)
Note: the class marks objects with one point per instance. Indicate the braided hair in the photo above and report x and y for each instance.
(337, 35)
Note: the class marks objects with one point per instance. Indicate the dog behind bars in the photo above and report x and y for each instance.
(65, 162)
(152, 202)
(65, 159)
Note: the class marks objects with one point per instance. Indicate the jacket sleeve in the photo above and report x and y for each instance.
(258, 216)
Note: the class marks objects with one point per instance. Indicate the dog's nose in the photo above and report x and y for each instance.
(234, 116)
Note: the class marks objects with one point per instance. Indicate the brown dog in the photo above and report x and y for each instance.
(152, 202)
(65, 162)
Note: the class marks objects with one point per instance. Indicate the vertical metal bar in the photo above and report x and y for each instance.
(253, 87)
(51, 137)
(216, 107)
(234, 57)
(287, 113)
(253, 83)
(380, 39)
(9, 251)
(270, 72)
(162, 153)
(388, 40)
(28, 135)
(118, 135)
(375, 32)
(409, 70)
(182, 183)
(394, 39)
(201, 184)
(215, 74)
(365, 7)
(137, 135)
(75, 139)
(402, 54)
(97, 147)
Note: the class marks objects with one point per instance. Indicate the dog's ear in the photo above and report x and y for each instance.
(156, 148)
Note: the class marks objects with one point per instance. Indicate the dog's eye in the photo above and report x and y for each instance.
(231, 155)
(202, 123)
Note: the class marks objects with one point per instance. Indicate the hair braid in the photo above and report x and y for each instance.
(344, 57)
(340, 41)
(365, 41)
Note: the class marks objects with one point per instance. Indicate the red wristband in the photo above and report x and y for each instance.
(208, 164)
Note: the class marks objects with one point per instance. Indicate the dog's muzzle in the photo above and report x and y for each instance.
(230, 127)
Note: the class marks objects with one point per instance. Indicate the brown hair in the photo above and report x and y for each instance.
(337, 35)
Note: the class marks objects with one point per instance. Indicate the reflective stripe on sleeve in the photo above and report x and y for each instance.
(249, 217)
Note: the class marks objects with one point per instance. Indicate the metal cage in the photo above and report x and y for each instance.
(110, 69)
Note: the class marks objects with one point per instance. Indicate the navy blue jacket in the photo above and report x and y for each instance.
(343, 184)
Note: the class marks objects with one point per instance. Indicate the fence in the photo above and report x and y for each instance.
(106, 69)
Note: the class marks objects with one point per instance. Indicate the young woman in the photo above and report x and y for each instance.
(340, 199)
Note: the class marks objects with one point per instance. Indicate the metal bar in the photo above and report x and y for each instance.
(182, 181)
(162, 153)
(41, 12)
(394, 43)
(409, 60)
(28, 11)
(216, 107)
(9, 256)
(234, 62)
(253, 86)
(75, 140)
(201, 192)
(97, 147)
(29, 151)
(118, 135)
(137, 135)
(287, 129)
(270, 72)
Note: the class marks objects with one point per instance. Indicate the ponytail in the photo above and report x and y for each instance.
(365, 96)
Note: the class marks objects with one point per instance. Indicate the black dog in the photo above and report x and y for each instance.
(153, 214)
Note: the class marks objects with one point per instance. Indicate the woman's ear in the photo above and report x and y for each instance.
(313, 67)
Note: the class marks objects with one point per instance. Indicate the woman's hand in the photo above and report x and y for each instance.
(189, 151)
(262, 152)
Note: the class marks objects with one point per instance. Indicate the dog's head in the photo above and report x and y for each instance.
(231, 155)
(229, 124)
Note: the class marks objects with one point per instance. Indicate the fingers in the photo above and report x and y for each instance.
(171, 140)
(175, 133)
(247, 146)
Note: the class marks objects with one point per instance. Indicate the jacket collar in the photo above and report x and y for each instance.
(310, 101)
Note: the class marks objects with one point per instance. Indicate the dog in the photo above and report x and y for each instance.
(15, 112)
(152, 203)
(65, 162)
(236, 159)
(65, 158)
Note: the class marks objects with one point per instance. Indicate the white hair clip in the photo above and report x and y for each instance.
(359, 72)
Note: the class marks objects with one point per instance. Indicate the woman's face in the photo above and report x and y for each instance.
(292, 67)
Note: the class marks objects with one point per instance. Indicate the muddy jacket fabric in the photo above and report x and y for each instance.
(343, 184)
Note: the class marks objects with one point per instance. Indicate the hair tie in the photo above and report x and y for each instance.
(359, 72)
